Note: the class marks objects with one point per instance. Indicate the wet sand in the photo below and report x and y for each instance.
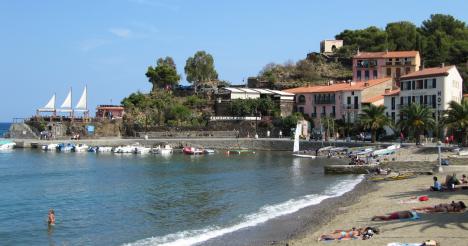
(448, 229)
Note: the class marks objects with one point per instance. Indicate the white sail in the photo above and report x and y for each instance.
(51, 103)
(296, 137)
(67, 104)
(82, 104)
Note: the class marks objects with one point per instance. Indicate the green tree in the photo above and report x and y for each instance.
(416, 119)
(200, 69)
(457, 118)
(402, 35)
(369, 39)
(373, 118)
(179, 113)
(164, 74)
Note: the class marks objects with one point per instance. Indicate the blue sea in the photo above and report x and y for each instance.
(4, 127)
(109, 199)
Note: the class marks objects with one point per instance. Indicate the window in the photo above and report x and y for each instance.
(409, 100)
(375, 74)
(356, 104)
(389, 72)
(393, 103)
(425, 84)
(434, 101)
(407, 70)
(413, 85)
(413, 99)
(301, 99)
(421, 100)
(398, 72)
(301, 109)
(324, 111)
(333, 110)
(419, 84)
(349, 100)
(393, 117)
(434, 85)
(358, 75)
(366, 75)
(352, 93)
(402, 101)
(315, 110)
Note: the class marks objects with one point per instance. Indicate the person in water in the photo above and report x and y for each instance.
(51, 217)
(397, 216)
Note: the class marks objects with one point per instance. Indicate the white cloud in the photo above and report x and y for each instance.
(121, 32)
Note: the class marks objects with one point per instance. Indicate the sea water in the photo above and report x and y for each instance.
(4, 128)
(109, 199)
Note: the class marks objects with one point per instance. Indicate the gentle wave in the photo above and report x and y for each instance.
(264, 214)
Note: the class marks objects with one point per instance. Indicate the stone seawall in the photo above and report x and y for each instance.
(213, 143)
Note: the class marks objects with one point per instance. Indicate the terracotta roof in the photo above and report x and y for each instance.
(387, 54)
(428, 72)
(373, 99)
(392, 93)
(353, 86)
(465, 95)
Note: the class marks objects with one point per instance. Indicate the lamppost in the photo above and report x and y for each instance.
(439, 144)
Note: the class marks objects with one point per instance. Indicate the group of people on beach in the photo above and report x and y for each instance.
(451, 183)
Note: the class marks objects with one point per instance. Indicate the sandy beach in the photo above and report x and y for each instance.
(448, 229)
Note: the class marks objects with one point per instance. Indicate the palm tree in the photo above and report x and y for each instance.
(416, 119)
(457, 118)
(373, 118)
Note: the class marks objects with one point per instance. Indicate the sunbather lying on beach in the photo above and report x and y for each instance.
(397, 216)
(360, 233)
(444, 208)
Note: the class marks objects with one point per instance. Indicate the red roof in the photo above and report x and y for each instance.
(465, 95)
(353, 86)
(428, 72)
(373, 99)
(392, 92)
(387, 54)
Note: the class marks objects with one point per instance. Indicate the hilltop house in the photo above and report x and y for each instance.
(376, 65)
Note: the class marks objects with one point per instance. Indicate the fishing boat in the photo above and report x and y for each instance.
(7, 145)
(49, 147)
(80, 148)
(62, 147)
(296, 151)
(165, 150)
(208, 151)
(142, 150)
(192, 151)
(124, 149)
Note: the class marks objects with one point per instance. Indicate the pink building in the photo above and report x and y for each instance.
(392, 64)
(339, 100)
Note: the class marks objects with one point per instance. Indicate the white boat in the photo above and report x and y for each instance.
(81, 148)
(124, 149)
(49, 147)
(208, 151)
(65, 147)
(7, 145)
(166, 150)
(104, 149)
(142, 150)
(192, 151)
(296, 151)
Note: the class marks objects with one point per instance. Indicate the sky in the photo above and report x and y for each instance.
(48, 47)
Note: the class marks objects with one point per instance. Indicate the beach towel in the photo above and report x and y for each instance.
(414, 199)
(404, 244)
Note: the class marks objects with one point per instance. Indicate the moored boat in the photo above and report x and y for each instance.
(49, 147)
(62, 147)
(80, 148)
(166, 150)
(142, 150)
(7, 145)
(192, 151)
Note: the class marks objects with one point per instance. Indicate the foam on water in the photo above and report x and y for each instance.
(264, 214)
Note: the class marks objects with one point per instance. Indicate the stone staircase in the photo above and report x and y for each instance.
(22, 131)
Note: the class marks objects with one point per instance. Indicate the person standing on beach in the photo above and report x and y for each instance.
(51, 217)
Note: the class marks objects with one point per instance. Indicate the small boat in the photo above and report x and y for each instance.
(99, 149)
(62, 147)
(49, 147)
(296, 151)
(166, 150)
(142, 150)
(192, 151)
(124, 149)
(7, 145)
(208, 151)
(239, 151)
(81, 148)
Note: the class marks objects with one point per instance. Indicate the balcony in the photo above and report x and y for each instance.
(331, 101)
(350, 106)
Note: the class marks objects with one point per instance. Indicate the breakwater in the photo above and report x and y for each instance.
(214, 143)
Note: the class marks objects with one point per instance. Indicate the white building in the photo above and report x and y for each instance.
(434, 87)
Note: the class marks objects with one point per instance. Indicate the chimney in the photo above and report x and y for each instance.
(387, 90)
(442, 65)
(366, 84)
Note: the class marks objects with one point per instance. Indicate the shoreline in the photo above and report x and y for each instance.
(279, 230)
